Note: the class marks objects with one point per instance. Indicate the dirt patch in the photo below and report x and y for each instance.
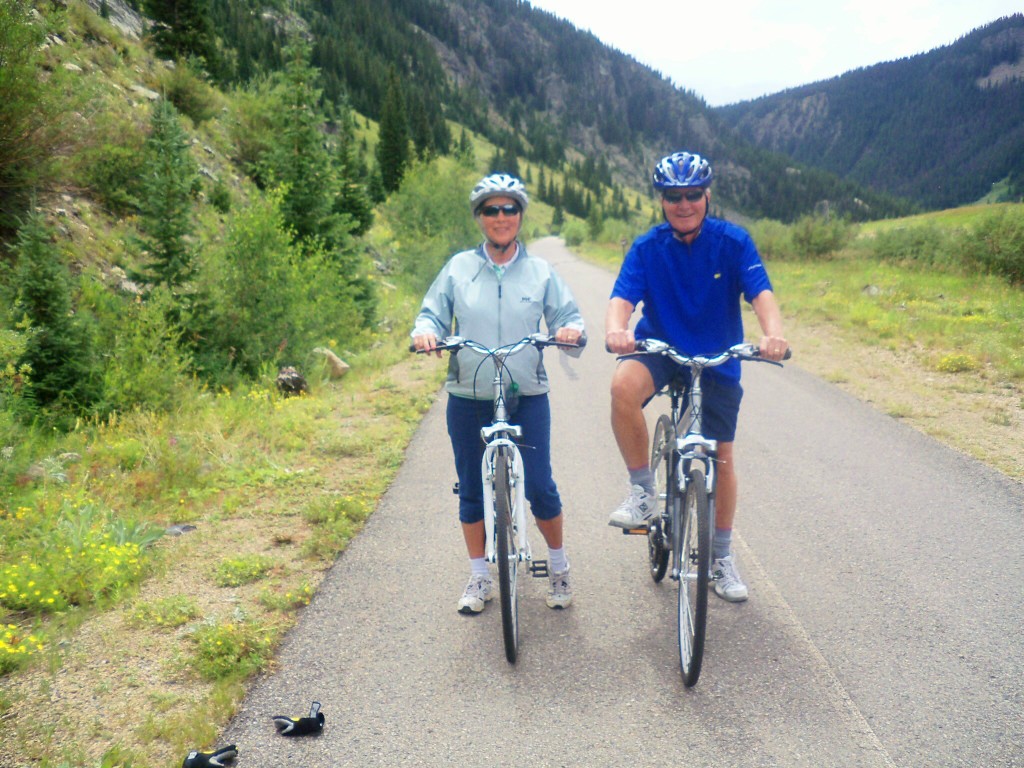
(974, 412)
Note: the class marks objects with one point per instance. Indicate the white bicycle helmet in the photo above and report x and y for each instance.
(495, 185)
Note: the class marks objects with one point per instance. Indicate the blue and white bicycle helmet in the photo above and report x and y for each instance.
(495, 185)
(682, 169)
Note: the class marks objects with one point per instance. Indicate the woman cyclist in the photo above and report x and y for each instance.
(496, 294)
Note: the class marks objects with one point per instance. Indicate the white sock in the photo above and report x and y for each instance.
(557, 561)
(478, 566)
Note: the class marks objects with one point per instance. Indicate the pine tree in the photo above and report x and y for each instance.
(58, 351)
(184, 29)
(299, 158)
(393, 147)
(170, 175)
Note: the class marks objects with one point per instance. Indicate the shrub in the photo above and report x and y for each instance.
(814, 237)
(957, 363)
(574, 233)
(189, 93)
(996, 245)
(237, 571)
(924, 245)
(232, 650)
(773, 239)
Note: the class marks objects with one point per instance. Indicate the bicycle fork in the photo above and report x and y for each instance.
(693, 450)
(487, 468)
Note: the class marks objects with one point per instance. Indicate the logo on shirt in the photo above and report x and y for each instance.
(525, 300)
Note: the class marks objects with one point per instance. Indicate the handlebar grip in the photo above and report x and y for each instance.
(788, 354)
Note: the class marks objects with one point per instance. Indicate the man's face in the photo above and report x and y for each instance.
(685, 208)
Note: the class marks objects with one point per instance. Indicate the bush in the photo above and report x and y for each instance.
(574, 233)
(189, 93)
(430, 216)
(814, 237)
(924, 245)
(773, 239)
(996, 245)
(304, 298)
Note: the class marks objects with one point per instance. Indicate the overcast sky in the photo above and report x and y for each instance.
(731, 50)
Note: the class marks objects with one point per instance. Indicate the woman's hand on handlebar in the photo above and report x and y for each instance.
(568, 336)
(426, 342)
(620, 342)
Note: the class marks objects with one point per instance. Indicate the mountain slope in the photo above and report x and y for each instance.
(942, 127)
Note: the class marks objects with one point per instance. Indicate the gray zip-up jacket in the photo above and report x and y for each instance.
(469, 299)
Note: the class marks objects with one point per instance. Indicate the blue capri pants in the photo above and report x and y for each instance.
(466, 417)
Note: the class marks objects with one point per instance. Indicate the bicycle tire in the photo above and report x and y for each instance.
(658, 532)
(693, 557)
(507, 555)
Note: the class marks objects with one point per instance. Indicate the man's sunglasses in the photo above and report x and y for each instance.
(490, 211)
(690, 196)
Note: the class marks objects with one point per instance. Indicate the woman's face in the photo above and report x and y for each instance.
(499, 223)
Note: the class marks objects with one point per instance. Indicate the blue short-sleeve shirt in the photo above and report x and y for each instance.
(690, 294)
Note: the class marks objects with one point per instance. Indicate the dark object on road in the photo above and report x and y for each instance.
(301, 726)
(291, 382)
(197, 759)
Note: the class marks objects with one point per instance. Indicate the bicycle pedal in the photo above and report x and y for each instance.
(641, 531)
(539, 568)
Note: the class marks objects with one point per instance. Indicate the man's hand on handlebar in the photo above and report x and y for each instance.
(620, 342)
(773, 348)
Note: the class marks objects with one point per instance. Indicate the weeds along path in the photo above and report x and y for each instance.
(161, 674)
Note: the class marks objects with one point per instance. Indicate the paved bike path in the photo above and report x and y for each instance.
(860, 546)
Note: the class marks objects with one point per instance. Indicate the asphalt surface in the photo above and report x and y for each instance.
(882, 629)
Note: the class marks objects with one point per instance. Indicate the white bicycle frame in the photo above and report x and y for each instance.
(495, 435)
(517, 482)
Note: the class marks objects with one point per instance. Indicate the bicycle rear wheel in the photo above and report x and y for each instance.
(668, 495)
(506, 554)
(693, 558)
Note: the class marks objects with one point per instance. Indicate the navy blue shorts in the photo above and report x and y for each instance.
(465, 419)
(720, 397)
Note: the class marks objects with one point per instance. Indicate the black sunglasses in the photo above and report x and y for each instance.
(690, 195)
(490, 211)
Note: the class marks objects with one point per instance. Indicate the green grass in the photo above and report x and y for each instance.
(952, 323)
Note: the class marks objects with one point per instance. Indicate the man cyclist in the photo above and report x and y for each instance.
(689, 272)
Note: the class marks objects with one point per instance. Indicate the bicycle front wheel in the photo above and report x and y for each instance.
(668, 496)
(693, 558)
(506, 554)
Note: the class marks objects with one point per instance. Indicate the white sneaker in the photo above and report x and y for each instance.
(728, 584)
(479, 590)
(560, 592)
(636, 510)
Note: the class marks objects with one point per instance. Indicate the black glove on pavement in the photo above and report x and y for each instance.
(301, 726)
(216, 759)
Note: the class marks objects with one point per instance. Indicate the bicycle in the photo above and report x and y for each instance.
(683, 461)
(504, 481)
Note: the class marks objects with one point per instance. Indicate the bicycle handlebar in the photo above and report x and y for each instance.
(743, 351)
(539, 340)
